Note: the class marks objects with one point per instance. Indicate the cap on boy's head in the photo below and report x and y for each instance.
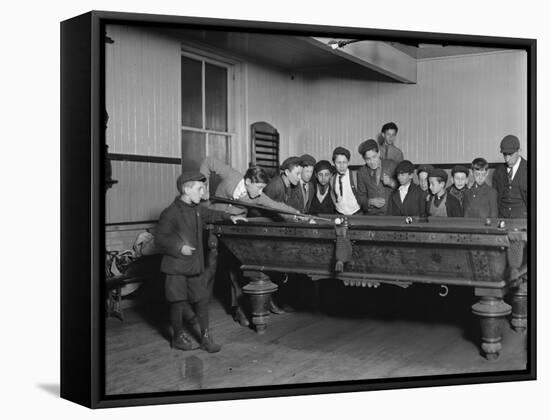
(307, 160)
(322, 165)
(341, 151)
(404, 167)
(459, 168)
(291, 162)
(424, 168)
(479, 164)
(367, 145)
(509, 144)
(189, 176)
(438, 173)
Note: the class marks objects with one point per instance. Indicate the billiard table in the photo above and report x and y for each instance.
(488, 255)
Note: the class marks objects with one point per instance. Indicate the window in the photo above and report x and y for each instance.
(204, 110)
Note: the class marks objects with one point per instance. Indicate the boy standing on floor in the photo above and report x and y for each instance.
(481, 199)
(180, 239)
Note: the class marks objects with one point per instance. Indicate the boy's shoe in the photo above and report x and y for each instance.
(194, 328)
(275, 309)
(240, 317)
(182, 341)
(207, 343)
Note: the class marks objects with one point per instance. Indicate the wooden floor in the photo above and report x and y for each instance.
(358, 334)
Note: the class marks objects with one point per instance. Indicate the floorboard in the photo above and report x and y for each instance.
(357, 334)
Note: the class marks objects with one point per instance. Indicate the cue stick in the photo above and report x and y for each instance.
(260, 207)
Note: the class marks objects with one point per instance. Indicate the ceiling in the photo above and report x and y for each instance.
(423, 51)
(313, 56)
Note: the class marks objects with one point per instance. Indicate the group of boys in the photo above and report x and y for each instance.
(383, 186)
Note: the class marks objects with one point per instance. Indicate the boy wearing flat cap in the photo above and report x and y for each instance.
(440, 203)
(305, 187)
(343, 185)
(179, 238)
(481, 199)
(459, 175)
(375, 180)
(408, 199)
(282, 188)
(248, 189)
(510, 180)
(422, 172)
(321, 202)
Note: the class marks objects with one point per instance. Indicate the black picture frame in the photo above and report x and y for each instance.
(83, 208)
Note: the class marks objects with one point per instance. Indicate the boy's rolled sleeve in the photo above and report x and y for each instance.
(211, 216)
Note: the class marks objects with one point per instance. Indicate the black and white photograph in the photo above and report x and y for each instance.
(288, 207)
(229, 210)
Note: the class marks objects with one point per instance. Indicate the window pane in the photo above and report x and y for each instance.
(191, 92)
(193, 149)
(216, 97)
(218, 147)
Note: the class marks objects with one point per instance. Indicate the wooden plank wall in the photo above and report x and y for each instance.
(143, 102)
(142, 192)
(143, 92)
(270, 99)
(460, 109)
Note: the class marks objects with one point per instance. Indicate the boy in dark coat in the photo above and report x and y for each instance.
(321, 202)
(408, 199)
(179, 238)
(282, 188)
(305, 186)
(248, 189)
(481, 199)
(441, 203)
(510, 180)
(460, 185)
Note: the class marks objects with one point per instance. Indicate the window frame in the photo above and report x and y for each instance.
(206, 57)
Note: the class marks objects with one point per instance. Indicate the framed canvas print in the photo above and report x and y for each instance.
(255, 209)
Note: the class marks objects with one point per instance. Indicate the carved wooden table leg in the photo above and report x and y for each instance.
(211, 260)
(519, 306)
(491, 311)
(259, 290)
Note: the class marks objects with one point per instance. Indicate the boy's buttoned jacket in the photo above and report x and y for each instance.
(368, 187)
(413, 205)
(518, 192)
(181, 224)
